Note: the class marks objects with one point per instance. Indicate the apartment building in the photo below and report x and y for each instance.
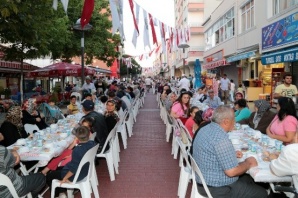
(190, 13)
(253, 42)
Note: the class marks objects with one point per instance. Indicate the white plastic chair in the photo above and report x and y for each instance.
(121, 128)
(195, 170)
(78, 95)
(185, 170)
(109, 154)
(169, 127)
(29, 128)
(5, 181)
(129, 124)
(87, 184)
(127, 102)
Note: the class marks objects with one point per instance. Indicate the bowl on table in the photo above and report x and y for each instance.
(21, 141)
(235, 141)
(63, 135)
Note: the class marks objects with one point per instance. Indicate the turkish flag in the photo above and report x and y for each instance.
(87, 12)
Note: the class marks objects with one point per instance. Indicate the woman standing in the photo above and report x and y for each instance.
(181, 107)
(284, 125)
(261, 118)
(31, 115)
(12, 128)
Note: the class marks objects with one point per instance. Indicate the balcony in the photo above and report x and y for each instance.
(195, 6)
(196, 28)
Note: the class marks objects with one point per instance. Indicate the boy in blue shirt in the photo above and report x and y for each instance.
(66, 174)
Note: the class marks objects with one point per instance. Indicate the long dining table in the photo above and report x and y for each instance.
(253, 143)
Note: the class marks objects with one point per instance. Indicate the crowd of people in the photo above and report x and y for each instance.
(112, 96)
(211, 147)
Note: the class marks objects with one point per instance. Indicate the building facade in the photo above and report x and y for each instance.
(192, 14)
(253, 42)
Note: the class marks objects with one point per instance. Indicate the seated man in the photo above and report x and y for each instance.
(217, 160)
(23, 184)
(286, 163)
(212, 100)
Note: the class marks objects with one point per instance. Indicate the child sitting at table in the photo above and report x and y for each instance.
(65, 156)
(66, 174)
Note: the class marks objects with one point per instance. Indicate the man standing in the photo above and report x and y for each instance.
(148, 83)
(184, 83)
(287, 89)
(224, 85)
(217, 159)
(88, 85)
(99, 124)
(232, 90)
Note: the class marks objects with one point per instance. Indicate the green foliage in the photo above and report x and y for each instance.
(135, 70)
(34, 29)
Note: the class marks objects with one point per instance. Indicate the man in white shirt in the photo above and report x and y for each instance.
(88, 85)
(184, 83)
(224, 88)
(287, 89)
(232, 90)
(148, 83)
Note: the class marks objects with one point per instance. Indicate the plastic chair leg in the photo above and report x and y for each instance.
(70, 193)
(168, 132)
(110, 167)
(183, 182)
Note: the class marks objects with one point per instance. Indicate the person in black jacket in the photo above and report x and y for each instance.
(31, 115)
(99, 125)
(12, 128)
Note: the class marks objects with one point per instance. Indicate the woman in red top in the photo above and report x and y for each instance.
(190, 121)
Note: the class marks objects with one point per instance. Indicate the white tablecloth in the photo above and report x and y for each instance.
(262, 172)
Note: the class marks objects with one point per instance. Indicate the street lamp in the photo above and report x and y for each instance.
(183, 46)
(77, 26)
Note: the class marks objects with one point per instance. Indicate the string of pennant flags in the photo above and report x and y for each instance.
(170, 37)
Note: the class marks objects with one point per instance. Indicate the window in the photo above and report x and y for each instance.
(281, 5)
(247, 16)
(221, 30)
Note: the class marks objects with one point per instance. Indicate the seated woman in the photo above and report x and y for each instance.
(190, 121)
(284, 125)
(172, 97)
(261, 118)
(111, 115)
(12, 128)
(238, 96)
(242, 111)
(31, 115)
(181, 107)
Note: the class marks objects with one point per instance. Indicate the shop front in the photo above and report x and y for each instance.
(280, 51)
(10, 76)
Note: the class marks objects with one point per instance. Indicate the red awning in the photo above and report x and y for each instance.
(60, 69)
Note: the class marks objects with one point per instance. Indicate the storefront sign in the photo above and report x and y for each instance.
(289, 55)
(241, 56)
(215, 64)
(14, 65)
(281, 32)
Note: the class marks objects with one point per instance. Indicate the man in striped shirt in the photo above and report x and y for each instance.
(23, 184)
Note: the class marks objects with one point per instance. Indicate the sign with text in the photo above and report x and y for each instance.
(282, 32)
(289, 55)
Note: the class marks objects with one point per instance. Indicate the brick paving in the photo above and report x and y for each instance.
(147, 168)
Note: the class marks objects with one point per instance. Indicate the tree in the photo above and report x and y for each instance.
(133, 71)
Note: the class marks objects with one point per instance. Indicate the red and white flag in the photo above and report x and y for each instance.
(133, 15)
(87, 12)
(135, 33)
(152, 29)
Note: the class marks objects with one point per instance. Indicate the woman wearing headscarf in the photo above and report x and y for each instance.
(31, 115)
(261, 117)
(12, 128)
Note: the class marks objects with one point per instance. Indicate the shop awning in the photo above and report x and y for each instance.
(241, 56)
(215, 64)
(288, 55)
